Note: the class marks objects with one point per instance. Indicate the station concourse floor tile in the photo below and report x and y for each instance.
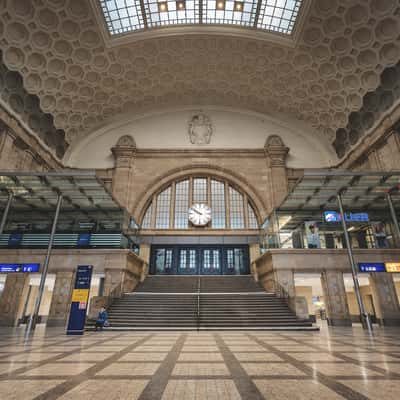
(339, 363)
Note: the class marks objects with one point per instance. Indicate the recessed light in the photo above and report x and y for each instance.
(238, 6)
(162, 6)
(220, 4)
(180, 5)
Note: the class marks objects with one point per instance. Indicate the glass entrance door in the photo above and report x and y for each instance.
(188, 261)
(199, 259)
(163, 261)
(235, 261)
(211, 261)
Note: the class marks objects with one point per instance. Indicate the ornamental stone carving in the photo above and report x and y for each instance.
(200, 129)
(124, 151)
(276, 151)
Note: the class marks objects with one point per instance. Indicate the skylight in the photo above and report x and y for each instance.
(123, 16)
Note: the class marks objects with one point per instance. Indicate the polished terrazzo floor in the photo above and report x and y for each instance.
(330, 364)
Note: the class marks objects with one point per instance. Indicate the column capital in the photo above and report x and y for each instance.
(276, 151)
(124, 151)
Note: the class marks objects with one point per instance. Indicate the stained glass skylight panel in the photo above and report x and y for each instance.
(278, 15)
(229, 12)
(123, 16)
(171, 12)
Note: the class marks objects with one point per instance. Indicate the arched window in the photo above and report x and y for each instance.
(230, 208)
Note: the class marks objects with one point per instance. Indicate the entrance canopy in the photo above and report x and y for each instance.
(314, 198)
(86, 203)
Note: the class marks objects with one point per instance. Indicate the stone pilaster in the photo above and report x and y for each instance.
(124, 153)
(337, 308)
(121, 278)
(385, 298)
(8, 154)
(61, 299)
(276, 153)
(12, 298)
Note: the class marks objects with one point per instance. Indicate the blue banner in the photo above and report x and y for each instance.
(32, 267)
(371, 267)
(79, 301)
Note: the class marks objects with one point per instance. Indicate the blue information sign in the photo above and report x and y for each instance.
(334, 216)
(33, 267)
(15, 239)
(80, 297)
(84, 239)
(371, 267)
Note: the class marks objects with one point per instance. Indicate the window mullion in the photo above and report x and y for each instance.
(246, 211)
(227, 207)
(172, 206)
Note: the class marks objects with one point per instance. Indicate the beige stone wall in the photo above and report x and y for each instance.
(381, 154)
(21, 150)
(139, 174)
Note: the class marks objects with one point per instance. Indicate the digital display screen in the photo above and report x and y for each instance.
(371, 267)
(334, 216)
(32, 267)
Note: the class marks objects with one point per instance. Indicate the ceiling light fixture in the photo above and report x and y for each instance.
(180, 5)
(162, 6)
(238, 6)
(220, 4)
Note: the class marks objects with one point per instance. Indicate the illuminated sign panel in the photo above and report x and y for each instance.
(32, 267)
(371, 267)
(334, 216)
(392, 266)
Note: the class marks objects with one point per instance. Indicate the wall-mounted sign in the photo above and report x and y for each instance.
(392, 266)
(32, 267)
(334, 216)
(371, 267)
(79, 301)
(84, 239)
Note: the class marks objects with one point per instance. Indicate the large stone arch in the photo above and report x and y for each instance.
(159, 183)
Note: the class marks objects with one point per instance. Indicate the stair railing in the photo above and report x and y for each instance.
(198, 302)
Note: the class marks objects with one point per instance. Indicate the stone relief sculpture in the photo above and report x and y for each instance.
(200, 129)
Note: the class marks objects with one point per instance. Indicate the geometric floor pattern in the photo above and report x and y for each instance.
(335, 363)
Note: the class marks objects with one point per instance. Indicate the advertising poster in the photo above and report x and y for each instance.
(312, 234)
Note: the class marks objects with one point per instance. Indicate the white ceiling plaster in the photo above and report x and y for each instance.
(232, 129)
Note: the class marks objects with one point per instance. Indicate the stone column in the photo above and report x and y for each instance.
(385, 298)
(144, 252)
(337, 308)
(124, 154)
(121, 278)
(61, 299)
(12, 298)
(276, 153)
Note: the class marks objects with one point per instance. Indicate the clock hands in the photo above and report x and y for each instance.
(198, 212)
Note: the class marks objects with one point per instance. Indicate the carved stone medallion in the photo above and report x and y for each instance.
(200, 129)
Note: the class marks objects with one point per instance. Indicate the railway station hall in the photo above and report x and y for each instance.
(199, 199)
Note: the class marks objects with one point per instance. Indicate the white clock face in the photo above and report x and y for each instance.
(199, 214)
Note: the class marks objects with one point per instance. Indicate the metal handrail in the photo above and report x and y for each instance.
(198, 301)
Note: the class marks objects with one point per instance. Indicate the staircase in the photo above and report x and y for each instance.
(225, 302)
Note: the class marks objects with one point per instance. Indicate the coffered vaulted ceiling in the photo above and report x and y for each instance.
(84, 80)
